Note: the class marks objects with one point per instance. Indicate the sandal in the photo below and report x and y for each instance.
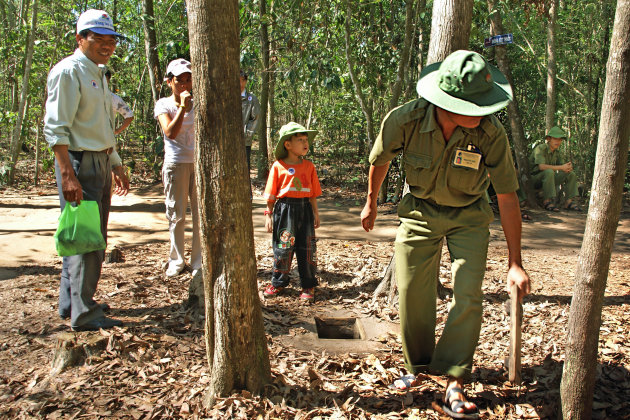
(450, 406)
(404, 383)
(573, 206)
(525, 216)
(550, 207)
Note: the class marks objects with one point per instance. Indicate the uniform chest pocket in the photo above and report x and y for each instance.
(417, 168)
(467, 180)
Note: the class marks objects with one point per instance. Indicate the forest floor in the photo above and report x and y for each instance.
(155, 365)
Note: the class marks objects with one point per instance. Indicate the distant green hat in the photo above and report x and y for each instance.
(557, 133)
(464, 83)
(286, 131)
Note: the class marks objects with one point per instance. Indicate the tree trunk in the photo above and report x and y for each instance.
(450, 28)
(550, 109)
(578, 376)
(367, 110)
(150, 48)
(400, 78)
(264, 152)
(518, 134)
(16, 138)
(271, 113)
(39, 134)
(235, 336)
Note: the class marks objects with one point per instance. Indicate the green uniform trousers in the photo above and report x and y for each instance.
(549, 180)
(418, 249)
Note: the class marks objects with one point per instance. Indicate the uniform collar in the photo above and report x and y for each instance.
(97, 68)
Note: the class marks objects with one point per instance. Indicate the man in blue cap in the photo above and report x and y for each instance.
(450, 143)
(79, 127)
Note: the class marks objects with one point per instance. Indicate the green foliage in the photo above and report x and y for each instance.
(308, 62)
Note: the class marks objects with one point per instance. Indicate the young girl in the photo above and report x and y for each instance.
(294, 184)
(175, 115)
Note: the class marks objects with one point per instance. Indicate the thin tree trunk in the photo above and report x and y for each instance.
(40, 126)
(265, 152)
(271, 109)
(450, 28)
(400, 78)
(421, 34)
(367, 110)
(550, 109)
(150, 48)
(235, 337)
(16, 138)
(516, 125)
(578, 376)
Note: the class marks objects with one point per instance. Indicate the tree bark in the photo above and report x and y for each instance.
(264, 152)
(363, 102)
(16, 138)
(400, 78)
(450, 28)
(235, 336)
(550, 109)
(578, 376)
(150, 47)
(518, 134)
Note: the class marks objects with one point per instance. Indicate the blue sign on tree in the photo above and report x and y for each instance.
(493, 41)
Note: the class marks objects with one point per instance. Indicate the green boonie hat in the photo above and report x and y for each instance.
(286, 131)
(465, 84)
(557, 132)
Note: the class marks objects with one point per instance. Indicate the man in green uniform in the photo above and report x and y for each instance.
(549, 171)
(450, 143)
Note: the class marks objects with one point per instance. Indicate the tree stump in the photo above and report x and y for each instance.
(72, 349)
(115, 256)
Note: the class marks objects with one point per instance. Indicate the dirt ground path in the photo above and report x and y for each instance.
(28, 223)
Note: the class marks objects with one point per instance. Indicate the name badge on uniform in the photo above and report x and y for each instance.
(467, 158)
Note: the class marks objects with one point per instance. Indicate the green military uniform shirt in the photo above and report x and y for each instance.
(542, 154)
(431, 163)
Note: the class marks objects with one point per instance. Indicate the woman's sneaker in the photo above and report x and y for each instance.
(308, 294)
(272, 291)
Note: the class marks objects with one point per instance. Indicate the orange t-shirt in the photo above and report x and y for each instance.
(295, 181)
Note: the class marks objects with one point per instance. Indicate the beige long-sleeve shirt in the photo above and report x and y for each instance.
(79, 107)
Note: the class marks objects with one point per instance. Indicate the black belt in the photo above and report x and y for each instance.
(291, 200)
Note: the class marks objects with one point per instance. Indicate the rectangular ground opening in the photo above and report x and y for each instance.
(339, 328)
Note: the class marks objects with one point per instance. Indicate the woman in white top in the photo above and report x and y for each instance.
(176, 117)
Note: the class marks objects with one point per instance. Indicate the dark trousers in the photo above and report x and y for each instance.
(80, 273)
(294, 231)
(248, 152)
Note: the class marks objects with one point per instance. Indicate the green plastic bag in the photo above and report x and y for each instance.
(79, 230)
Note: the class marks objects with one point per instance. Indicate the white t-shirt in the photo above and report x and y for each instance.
(181, 149)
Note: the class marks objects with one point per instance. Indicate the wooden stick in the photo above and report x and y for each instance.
(516, 316)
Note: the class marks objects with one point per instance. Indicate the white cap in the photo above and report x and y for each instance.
(177, 67)
(97, 21)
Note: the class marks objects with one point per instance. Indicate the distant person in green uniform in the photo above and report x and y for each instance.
(450, 143)
(550, 171)
(250, 112)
